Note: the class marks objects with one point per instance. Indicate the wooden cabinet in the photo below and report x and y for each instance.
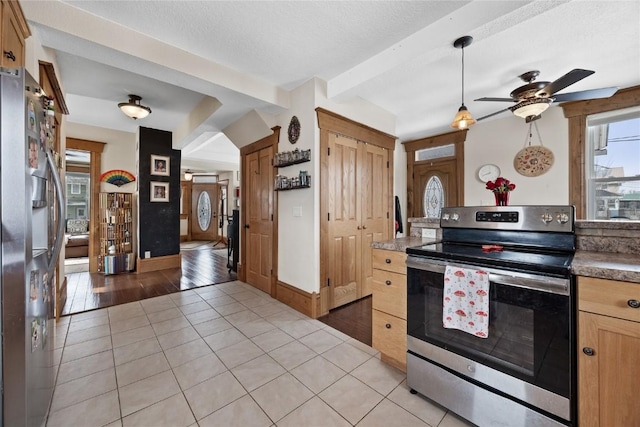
(116, 233)
(389, 317)
(608, 349)
(14, 30)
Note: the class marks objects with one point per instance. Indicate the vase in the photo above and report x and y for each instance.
(502, 198)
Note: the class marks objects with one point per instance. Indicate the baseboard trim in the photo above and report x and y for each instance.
(146, 265)
(302, 301)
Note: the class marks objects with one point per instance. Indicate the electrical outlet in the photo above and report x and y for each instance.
(147, 254)
(428, 233)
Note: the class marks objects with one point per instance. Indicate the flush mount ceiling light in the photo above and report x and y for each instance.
(463, 118)
(531, 108)
(134, 109)
(188, 175)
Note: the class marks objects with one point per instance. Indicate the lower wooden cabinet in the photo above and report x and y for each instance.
(608, 353)
(389, 317)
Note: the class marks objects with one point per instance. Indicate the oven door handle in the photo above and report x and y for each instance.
(535, 282)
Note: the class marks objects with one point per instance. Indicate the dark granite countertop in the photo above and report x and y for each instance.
(601, 265)
(401, 243)
(607, 265)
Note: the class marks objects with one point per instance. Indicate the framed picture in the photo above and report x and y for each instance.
(159, 165)
(159, 191)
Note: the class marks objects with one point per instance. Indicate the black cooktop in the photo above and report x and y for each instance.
(511, 257)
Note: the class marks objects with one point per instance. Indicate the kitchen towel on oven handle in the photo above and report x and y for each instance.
(465, 300)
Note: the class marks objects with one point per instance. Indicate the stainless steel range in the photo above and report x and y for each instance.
(521, 370)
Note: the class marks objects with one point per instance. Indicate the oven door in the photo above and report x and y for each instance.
(527, 354)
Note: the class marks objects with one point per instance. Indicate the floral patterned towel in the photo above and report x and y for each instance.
(465, 304)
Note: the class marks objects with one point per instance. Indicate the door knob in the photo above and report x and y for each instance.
(246, 226)
(364, 227)
(388, 282)
(633, 303)
(359, 228)
(588, 351)
(388, 326)
(9, 54)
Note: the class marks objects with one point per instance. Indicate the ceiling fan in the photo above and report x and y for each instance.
(533, 98)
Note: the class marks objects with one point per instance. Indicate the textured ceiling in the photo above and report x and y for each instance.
(395, 54)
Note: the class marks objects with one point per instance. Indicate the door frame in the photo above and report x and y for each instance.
(330, 122)
(95, 149)
(270, 141)
(457, 138)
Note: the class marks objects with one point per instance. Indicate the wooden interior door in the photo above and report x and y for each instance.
(344, 255)
(204, 211)
(446, 172)
(259, 215)
(375, 201)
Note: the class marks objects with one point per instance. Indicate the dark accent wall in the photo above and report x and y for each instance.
(159, 222)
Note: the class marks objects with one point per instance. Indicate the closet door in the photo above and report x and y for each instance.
(344, 255)
(374, 202)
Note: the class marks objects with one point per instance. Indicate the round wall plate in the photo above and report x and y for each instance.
(488, 172)
(533, 160)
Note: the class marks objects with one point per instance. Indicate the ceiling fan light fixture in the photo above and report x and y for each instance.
(463, 118)
(188, 175)
(531, 107)
(134, 109)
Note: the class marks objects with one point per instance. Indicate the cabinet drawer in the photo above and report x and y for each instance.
(390, 260)
(390, 293)
(389, 335)
(609, 297)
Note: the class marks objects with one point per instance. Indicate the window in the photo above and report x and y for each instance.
(613, 165)
(75, 188)
(579, 162)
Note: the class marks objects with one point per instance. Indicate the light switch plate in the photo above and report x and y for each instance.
(147, 254)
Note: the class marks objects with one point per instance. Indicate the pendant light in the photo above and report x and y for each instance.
(463, 118)
(134, 109)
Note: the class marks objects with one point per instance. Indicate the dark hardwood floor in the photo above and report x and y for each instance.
(353, 319)
(200, 267)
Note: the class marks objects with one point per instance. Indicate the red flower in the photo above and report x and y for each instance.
(500, 185)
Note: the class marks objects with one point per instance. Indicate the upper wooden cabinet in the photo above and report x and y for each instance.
(608, 348)
(13, 32)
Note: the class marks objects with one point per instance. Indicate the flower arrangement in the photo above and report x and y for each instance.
(501, 188)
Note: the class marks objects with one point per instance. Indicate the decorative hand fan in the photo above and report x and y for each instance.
(117, 177)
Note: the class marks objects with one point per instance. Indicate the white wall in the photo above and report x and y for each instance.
(298, 237)
(499, 141)
(119, 152)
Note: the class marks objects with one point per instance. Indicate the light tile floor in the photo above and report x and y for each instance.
(225, 355)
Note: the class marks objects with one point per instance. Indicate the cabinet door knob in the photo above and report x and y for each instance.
(388, 282)
(588, 351)
(359, 228)
(9, 54)
(388, 261)
(633, 303)
(388, 325)
(364, 227)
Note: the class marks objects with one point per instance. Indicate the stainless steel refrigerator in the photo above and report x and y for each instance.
(32, 234)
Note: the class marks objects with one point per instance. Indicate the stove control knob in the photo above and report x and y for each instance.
(445, 217)
(455, 217)
(546, 217)
(563, 218)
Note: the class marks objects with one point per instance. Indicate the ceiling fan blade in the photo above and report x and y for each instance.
(604, 92)
(492, 114)
(568, 79)
(495, 99)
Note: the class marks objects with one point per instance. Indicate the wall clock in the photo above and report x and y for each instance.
(488, 172)
(294, 130)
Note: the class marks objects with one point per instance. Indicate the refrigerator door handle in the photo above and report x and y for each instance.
(61, 214)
